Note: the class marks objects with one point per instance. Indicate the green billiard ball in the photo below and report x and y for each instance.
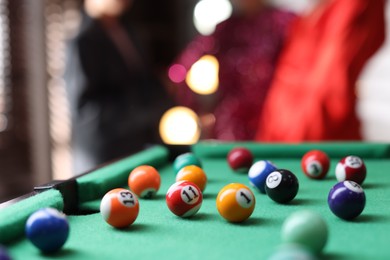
(185, 159)
(292, 251)
(305, 228)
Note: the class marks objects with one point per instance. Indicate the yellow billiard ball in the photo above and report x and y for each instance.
(193, 174)
(235, 202)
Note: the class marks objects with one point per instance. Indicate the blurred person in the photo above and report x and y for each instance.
(247, 47)
(115, 102)
(313, 95)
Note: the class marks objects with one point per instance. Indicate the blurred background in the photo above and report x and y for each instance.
(35, 123)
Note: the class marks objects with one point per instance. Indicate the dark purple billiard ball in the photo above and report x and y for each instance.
(347, 200)
(4, 253)
(281, 186)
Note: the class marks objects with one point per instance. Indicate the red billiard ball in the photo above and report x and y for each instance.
(119, 208)
(315, 164)
(144, 181)
(351, 168)
(184, 199)
(240, 159)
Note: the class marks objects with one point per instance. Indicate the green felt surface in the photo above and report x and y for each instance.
(158, 234)
(12, 219)
(98, 182)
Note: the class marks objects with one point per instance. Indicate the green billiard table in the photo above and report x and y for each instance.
(158, 234)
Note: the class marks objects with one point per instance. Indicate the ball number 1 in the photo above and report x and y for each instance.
(244, 198)
(248, 200)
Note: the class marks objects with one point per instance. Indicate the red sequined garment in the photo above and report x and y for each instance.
(247, 49)
(312, 96)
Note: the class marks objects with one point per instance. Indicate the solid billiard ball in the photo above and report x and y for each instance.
(184, 199)
(185, 159)
(281, 186)
(47, 229)
(292, 251)
(235, 202)
(240, 159)
(351, 168)
(315, 164)
(144, 181)
(305, 228)
(259, 172)
(193, 174)
(119, 208)
(4, 255)
(347, 200)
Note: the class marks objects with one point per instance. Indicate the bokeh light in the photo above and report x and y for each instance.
(180, 126)
(202, 78)
(177, 73)
(208, 13)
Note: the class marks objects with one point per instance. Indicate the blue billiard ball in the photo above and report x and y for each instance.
(4, 254)
(47, 229)
(347, 200)
(259, 172)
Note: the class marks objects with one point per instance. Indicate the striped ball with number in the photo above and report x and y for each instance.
(184, 199)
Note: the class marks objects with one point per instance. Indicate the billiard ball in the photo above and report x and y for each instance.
(184, 160)
(347, 200)
(47, 229)
(306, 228)
(240, 159)
(351, 168)
(144, 181)
(193, 174)
(281, 186)
(4, 255)
(259, 172)
(235, 202)
(119, 208)
(315, 164)
(292, 251)
(184, 199)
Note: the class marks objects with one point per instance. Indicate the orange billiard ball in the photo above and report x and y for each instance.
(119, 208)
(144, 181)
(193, 174)
(235, 202)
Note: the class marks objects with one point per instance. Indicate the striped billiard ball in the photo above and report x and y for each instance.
(119, 208)
(351, 168)
(184, 199)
